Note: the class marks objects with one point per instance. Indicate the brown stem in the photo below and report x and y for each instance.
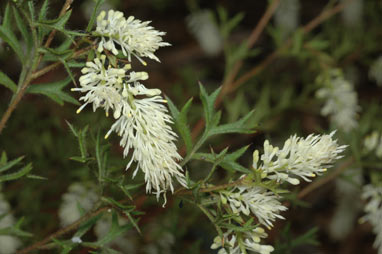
(230, 85)
(252, 39)
(324, 15)
(20, 93)
(315, 185)
(63, 231)
(228, 81)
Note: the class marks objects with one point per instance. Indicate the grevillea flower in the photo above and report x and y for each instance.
(144, 127)
(250, 241)
(265, 205)
(299, 157)
(373, 209)
(133, 36)
(142, 120)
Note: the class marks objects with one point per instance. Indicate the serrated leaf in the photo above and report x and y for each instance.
(11, 164)
(181, 121)
(114, 232)
(236, 127)
(9, 37)
(36, 177)
(228, 162)
(23, 28)
(93, 16)
(43, 11)
(87, 225)
(208, 102)
(13, 176)
(54, 91)
(7, 82)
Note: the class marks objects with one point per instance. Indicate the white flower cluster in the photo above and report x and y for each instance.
(142, 119)
(202, 26)
(265, 205)
(8, 243)
(373, 210)
(341, 101)
(373, 142)
(76, 199)
(250, 241)
(375, 71)
(287, 16)
(299, 157)
(133, 36)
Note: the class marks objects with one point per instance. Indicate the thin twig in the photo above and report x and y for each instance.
(324, 15)
(230, 85)
(63, 231)
(252, 39)
(324, 180)
(20, 93)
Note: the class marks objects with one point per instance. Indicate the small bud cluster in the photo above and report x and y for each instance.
(8, 243)
(373, 143)
(375, 71)
(287, 17)
(373, 209)
(341, 104)
(78, 198)
(142, 120)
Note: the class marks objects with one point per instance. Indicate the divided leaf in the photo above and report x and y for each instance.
(228, 161)
(181, 121)
(54, 91)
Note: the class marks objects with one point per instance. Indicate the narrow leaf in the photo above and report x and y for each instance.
(208, 102)
(8, 177)
(23, 28)
(7, 82)
(11, 164)
(94, 14)
(236, 127)
(54, 91)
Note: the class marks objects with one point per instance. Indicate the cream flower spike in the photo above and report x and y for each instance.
(299, 157)
(101, 85)
(133, 36)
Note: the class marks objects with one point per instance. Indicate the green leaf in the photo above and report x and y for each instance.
(7, 19)
(13, 176)
(36, 177)
(7, 82)
(208, 102)
(228, 161)
(9, 37)
(7, 34)
(23, 28)
(43, 11)
(11, 164)
(59, 25)
(181, 121)
(94, 14)
(54, 91)
(115, 231)
(236, 127)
